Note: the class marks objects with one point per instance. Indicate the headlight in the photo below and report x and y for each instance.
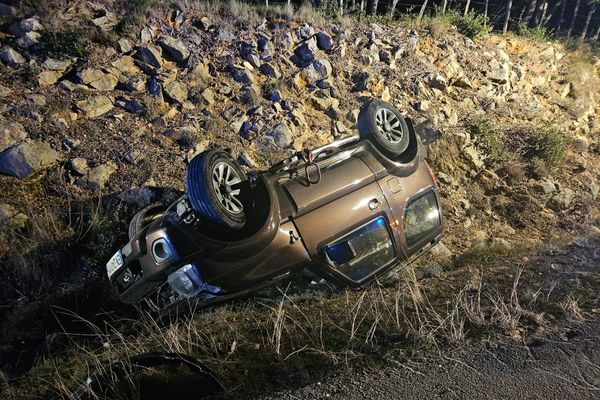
(186, 281)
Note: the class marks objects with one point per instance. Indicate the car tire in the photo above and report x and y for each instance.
(383, 124)
(209, 181)
(144, 217)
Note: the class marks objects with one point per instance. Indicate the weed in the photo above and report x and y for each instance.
(538, 33)
(549, 144)
(490, 138)
(68, 43)
(473, 25)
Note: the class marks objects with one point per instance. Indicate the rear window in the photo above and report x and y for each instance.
(422, 218)
(362, 252)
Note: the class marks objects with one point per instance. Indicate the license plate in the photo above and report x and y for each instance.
(114, 264)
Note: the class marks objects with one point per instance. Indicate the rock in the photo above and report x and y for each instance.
(498, 72)
(10, 216)
(146, 35)
(11, 133)
(305, 32)
(431, 270)
(11, 57)
(37, 99)
(247, 160)
(208, 96)
(276, 96)
(545, 187)
(7, 11)
(140, 197)
(175, 48)
(422, 105)
(56, 65)
(204, 23)
(80, 166)
(28, 40)
(361, 81)
(125, 67)
(134, 156)
(124, 45)
(24, 26)
(252, 58)
(107, 82)
(135, 84)
(131, 105)
(440, 251)
(281, 134)
(500, 243)
(562, 200)
(243, 76)
(436, 81)
(270, 71)
(318, 70)
(324, 41)
(471, 153)
(150, 54)
(176, 92)
(26, 158)
(306, 52)
(64, 84)
(95, 105)
(580, 144)
(97, 178)
(283, 41)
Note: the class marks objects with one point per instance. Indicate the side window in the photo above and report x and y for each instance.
(363, 251)
(422, 217)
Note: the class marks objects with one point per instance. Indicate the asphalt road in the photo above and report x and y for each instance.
(565, 367)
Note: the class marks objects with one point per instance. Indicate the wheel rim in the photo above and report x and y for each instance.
(224, 176)
(389, 125)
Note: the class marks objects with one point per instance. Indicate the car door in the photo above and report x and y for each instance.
(349, 239)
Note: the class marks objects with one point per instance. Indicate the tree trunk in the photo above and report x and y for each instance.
(507, 19)
(550, 14)
(341, 7)
(485, 11)
(587, 20)
(374, 7)
(423, 6)
(444, 5)
(530, 11)
(561, 18)
(362, 6)
(575, 12)
(597, 35)
(467, 7)
(539, 19)
(393, 7)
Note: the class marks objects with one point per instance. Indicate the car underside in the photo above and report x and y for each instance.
(349, 211)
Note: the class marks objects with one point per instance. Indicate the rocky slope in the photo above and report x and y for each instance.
(95, 124)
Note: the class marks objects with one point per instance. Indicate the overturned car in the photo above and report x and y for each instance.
(348, 211)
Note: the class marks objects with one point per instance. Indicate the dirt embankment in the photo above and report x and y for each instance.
(100, 114)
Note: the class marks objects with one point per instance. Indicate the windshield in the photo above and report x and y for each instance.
(422, 217)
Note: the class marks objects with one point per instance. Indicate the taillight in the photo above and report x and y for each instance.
(430, 173)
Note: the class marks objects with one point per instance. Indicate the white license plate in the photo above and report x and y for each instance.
(114, 263)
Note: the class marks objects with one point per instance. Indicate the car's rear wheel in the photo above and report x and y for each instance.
(383, 124)
(144, 217)
(212, 183)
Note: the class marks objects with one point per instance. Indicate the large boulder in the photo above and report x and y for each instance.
(306, 52)
(150, 54)
(176, 92)
(26, 158)
(174, 48)
(96, 105)
(498, 72)
(324, 41)
(318, 70)
(11, 133)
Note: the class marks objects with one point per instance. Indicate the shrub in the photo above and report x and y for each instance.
(71, 42)
(490, 139)
(540, 33)
(472, 25)
(548, 144)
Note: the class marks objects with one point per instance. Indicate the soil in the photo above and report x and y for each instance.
(554, 368)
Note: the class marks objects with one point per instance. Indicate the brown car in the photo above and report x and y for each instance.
(348, 211)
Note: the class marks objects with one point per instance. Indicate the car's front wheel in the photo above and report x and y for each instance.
(383, 124)
(213, 188)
